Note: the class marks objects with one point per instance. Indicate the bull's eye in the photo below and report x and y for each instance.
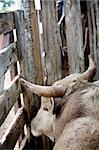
(74, 80)
(46, 109)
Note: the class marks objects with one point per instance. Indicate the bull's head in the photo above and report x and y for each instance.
(43, 123)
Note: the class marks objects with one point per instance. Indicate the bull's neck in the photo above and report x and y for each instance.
(70, 110)
(80, 84)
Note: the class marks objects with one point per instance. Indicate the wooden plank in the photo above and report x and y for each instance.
(8, 39)
(52, 44)
(90, 27)
(2, 79)
(6, 22)
(36, 44)
(5, 42)
(1, 40)
(29, 69)
(41, 38)
(32, 68)
(56, 43)
(13, 73)
(11, 136)
(97, 21)
(74, 35)
(94, 28)
(27, 111)
(8, 56)
(8, 97)
(97, 46)
(18, 15)
(93, 24)
(22, 54)
(2, 83)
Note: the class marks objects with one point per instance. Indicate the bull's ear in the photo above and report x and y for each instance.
(47, 104)
(91, 71)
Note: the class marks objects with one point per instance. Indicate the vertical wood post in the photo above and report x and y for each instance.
(30, 59)
(97, 38)
(3, 78)
(17, 16)
(74, 35)
(93, 24)
(51, 41)
(90, 27)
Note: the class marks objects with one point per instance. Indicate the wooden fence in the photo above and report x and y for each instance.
(8, 97)
(14, 51)
(9, 56)
(21, 42)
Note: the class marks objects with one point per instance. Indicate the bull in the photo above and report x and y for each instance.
(69, 111)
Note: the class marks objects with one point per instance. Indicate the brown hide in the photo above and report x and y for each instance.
(77, 122)
(82, 102)
(80, 134)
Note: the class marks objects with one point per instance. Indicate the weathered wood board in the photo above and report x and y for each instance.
(6, 22)
(32, 69)
(93, 25)
(30, 60)
(8, 56)
(74, 36)
(8, 97)
(11, 136)
(51, 41)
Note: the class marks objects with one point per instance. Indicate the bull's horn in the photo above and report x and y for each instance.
(91, 71)
(47, 91)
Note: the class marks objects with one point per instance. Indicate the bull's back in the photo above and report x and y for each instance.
(79, 134)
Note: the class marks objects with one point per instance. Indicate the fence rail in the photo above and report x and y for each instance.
(13, 132)
(8, 98)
